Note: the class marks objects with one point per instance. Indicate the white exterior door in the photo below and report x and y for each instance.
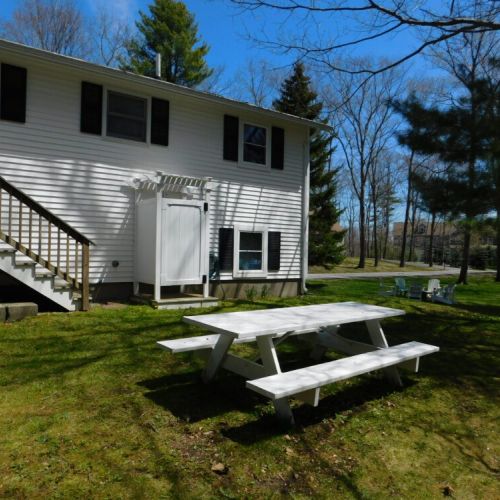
(183, 245)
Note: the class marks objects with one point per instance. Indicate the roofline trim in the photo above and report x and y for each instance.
(18, 48)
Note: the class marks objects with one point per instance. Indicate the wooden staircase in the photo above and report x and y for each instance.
(41, 251)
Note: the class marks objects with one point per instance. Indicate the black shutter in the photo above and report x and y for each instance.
(226, 248)
(91, 108)
(160, 111)
(277, 148)
(231, 137)
(273, 250)
(13, 93)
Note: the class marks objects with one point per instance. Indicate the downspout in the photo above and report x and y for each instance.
(305, 218)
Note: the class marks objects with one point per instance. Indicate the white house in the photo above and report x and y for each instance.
(111, 180)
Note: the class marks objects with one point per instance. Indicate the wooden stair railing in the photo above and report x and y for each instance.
(45, 238)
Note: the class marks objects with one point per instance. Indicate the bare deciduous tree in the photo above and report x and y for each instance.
(365, 125)
(54, 25)
(434, 22)
(382, 186)
(59, 26)
(110, 35)
(217, 82)
(257, 83)
(410, 165)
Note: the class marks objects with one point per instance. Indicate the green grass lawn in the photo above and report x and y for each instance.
(91, 408)
(349, 265)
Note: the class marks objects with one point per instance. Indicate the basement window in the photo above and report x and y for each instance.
(250, 252)
(126, 117)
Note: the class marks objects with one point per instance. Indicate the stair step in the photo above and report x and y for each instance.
(24, 260)
(77, 295)
(42, 272)
(60, 283)
(5, 247)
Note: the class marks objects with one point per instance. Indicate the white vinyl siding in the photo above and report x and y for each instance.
(87, 180)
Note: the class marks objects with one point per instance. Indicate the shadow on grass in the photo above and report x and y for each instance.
(57, 355)
(468, 356)
(189, 399)
(316, 286)
(351, 398)
(483, 309)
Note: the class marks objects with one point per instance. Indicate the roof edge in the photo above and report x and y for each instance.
(18, 48)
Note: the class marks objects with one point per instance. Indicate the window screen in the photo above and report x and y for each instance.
(250, 258)
(254, 144)
(126, 117)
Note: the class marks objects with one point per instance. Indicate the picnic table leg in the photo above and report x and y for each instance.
(271, 365)
(216, 357)
(378, 339)
(319, 349)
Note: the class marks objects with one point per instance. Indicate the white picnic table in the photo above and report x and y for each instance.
(320, 323)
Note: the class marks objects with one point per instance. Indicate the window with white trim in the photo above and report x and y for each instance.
(254, 144)
(250, 251)
(250, 258)
(126, 117)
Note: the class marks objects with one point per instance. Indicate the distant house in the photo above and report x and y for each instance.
(131, 185)
(446, 234)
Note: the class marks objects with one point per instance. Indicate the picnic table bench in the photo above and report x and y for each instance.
(320, 323)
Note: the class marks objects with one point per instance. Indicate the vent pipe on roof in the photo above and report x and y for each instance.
(158, 66)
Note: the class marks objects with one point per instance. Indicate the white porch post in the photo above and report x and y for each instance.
(305, 218)
(206, 243)
(136, 242)
(157, 285)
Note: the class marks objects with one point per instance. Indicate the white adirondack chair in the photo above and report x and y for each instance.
(433, 285)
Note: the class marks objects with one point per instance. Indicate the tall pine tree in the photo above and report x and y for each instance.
(299, 99)
(460, 136)
(169, 29)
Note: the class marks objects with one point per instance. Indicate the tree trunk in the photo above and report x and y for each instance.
(386, 234)
(431, 240)
(375, 235)
(462, 278)
(402, 256)
(351, 233)
(496, 177)
(412, 236)
(362, 236)
(498, 246)
(443, 242)
(368, 230)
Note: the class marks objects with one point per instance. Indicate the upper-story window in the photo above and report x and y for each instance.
(13, 80)
(254, 144)
(126, 117)
(249, 143)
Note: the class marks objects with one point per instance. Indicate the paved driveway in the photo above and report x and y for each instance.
(391, 274)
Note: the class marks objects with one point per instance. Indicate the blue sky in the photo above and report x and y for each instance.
(226, 30)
